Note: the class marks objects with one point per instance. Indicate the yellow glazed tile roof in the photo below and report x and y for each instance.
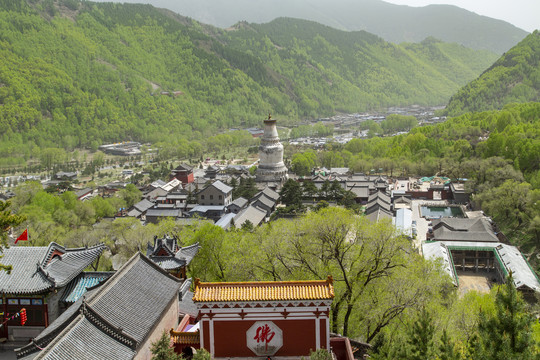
(264, 291)
(179, 337)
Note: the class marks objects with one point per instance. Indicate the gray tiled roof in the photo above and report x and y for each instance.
(379, 195)
(225, 221)
(35, 272)
(164, 213)
(168, 262)
(140, 287)
(65, 268)
(359, 191)
(222, 187)
(83, 340)
(26, 276)
(270, 193)
(251, 213)
(186, 304)
(264, 201)
(376, 204)
(115, 318)
(166, 243)
(379, 215)
(182, 257)
(458, 229)
(188, 252)
(143, 205)
(240, 202)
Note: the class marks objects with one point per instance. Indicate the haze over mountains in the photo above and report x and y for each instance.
(394, 23)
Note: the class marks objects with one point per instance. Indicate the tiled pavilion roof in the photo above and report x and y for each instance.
(264, 291)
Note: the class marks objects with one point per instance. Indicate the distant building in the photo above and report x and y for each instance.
(169, 256)
(271, 167)
(184, 173)
(126, 148)
(216, 193)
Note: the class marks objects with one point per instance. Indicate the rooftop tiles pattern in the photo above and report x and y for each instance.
(84, 341)
(84, 281)
(110, 325)
(65, 268)
(36, 270)
(142, 287)
(264, 291)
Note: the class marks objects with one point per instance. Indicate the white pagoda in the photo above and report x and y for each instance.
(271, 167)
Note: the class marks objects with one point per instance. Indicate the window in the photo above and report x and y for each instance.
(202, 197)
(211, 197)
(220, 197)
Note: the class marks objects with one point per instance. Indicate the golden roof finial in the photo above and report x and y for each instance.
(269, 116)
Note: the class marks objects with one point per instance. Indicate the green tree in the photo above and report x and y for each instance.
(507, 333)
(202, 354)
(162, 350)
(320, 354)
(130, 194)
(421, 337)
(309, 189)
(8, 220)
(291, 195)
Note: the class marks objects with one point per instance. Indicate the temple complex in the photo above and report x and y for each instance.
(271, 167)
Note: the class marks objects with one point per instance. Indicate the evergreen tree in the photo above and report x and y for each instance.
(421, 337)
(202, 354)
(162, 350)
(447, 349)
(506, 334)
(291, 195)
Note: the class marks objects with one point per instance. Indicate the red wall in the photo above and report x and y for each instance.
(230, 338)
(185, 178)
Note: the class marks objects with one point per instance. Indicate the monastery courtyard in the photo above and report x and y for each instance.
(480, 281)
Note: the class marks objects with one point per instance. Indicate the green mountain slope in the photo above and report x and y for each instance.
(329, 69)
(78, 74)
(515, 77)
(394, 23)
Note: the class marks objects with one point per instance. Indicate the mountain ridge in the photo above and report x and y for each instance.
(77, 74)
(394, 23)
(514, 77)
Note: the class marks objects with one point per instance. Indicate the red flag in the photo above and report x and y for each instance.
(23, 237)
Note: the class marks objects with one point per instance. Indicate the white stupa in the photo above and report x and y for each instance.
(271, 167)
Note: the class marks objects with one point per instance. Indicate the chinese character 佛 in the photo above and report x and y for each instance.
(264, 334)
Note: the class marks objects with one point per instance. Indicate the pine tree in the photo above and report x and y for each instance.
(447, 349)
(162, 350)
(421, 337)
(507, 333)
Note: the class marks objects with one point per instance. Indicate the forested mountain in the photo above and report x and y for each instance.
(394, 23)
(76, 74)
(334, 70)
(515, 77)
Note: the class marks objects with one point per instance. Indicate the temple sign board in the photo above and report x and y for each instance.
(264, 338)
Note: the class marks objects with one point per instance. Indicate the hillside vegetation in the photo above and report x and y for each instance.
(515, 77)
(78, 74)
(394, 23)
